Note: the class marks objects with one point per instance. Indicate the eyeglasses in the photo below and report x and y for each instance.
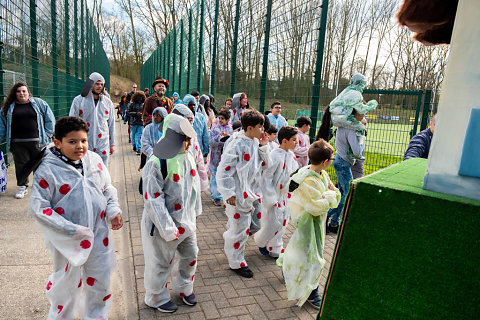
(331, 159)
(134, 87)
(277, 107)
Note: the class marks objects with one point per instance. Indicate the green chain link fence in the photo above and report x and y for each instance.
(274, 50)
(52, 46)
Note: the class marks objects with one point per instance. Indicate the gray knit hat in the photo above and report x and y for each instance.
(91, 80)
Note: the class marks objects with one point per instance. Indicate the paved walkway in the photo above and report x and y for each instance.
(25, 263)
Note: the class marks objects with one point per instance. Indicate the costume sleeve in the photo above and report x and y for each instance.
(48, 119)
(145, 115)
(73, 241)
(145, 141)
(417, 147)
(269, 190)
(205, 138)
(264, 154)
(74, 107)
(301, 149)
(215, 136)
(155, 207)
(111, 122)
(363, 108)
(315, 203)
(202, 170)
(110, 193)
(356, 146)
(226, 171)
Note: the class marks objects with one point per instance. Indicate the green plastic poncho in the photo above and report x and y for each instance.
(303, 261)
(351, 98)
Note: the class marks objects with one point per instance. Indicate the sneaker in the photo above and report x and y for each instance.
(273, 255)
(263, 251)
(138, 152)
(134, 149)
(191, 300)
(332, 229)
(22, 191)
(244, 272)
(217, 202)
(314, 299)
(168, 307)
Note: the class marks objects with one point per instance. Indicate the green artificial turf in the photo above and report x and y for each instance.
(406, 253)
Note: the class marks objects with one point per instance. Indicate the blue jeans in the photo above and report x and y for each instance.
(343, 170)
(136, 136)
(213, 183)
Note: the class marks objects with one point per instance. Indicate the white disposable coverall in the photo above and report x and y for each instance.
(101, 121)
(275, 200)
(171, 207)
(239, 174)
(64, 204)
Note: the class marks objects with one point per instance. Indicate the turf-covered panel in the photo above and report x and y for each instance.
(405, 253)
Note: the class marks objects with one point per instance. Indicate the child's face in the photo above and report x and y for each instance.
(243, 102)
(186, 144)
(272, 137)
(228, 104)
(290, 144)
(223, 122)
(305, 128)
(257, 131)
(157, 118)
(74, 145)
(276, 109)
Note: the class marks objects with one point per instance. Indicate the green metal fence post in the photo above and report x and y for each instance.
(180, 65)
(174, 68)
(318, 69)
(266, 44)
(214, 49)
(167, 62)
(189, 59)
(234, 50)
(75, 35)
(33, 47)
(200, 46)
(2, 90)
(417, 114)
(53, 10)
(67, 53)
(82, 39)
(427, 101)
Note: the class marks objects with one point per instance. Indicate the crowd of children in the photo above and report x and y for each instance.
(261, 170)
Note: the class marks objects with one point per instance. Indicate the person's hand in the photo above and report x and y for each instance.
(117, 222)
(139, 168)
(82, 232)
(112, 149)
(331, 187)
(264, 139)
(231, 200)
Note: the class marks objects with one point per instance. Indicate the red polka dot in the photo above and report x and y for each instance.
(156, 195)
(175, 177)
(283, 250)
(94, 149)
(106, 112)
(263, 163)
(104, 152)
(193, 263)
(227, 168)
(109, 295)
(88, 124)
(64, 189)
(177, 233)
(236, 216)
(66, 267)
(171, 261)
(284, 222)
(49, 285)
(247, 232)
(177, 206)
(80, 112)
(105, 242)
(60, 308)
(281, 186)
(181, 230)
(259, 215)
(102, 214)
(193, 172)
(270, 248)
(234, 111)
(275, 233)
(85, 244)
(91, 281)
(224, 206)
(259, 200)
(289, 195)
(236, 245)
(284, 166)
(99, 135)
(193, 277)
(182, 294)
(60, 210)
(245, 195)
(48, 212)
(278, 205)
(294, 158)
(242, 264)
(80, 283)
(246, 157)
(146, 196)
(99, 165)
(43, 184)
(284, 203)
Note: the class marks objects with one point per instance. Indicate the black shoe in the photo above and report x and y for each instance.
(263, 251)
(331, 229)
(244, 272)
(217, 202)
(168, 307)
(191, 300)
(314, 299)
(134, 149)
(138, 152)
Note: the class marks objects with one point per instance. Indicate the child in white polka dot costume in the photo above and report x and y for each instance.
(171, 187)
(72, 201)
(238, 178)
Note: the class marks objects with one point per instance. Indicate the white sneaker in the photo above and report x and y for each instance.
(22, 191)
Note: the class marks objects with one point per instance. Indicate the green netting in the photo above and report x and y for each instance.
(52, 46)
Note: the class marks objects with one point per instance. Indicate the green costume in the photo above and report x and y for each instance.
(303, 261)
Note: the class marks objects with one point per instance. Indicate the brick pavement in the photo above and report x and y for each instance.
(221, 294)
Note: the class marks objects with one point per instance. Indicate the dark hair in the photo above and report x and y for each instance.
(224, 113)
(236, 124)
(320, 151)
(146, 90)
(251, 118)
(274, 104)
(325, 132)
(228, 99)
(65, 125)
(286, 132)
(303, 120)
(138, 97)
(12, 96)
(195, 93)
(272, 129)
